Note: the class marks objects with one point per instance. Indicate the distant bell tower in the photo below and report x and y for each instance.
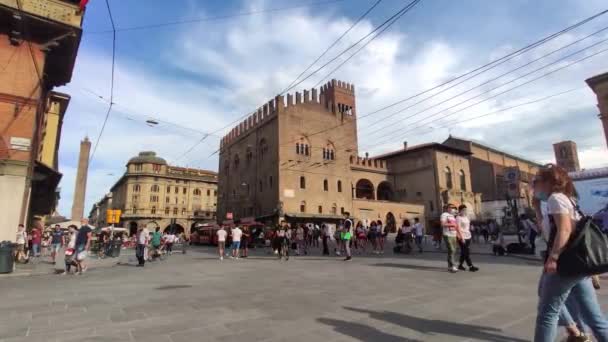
(81, 180)
(599, 85)
(566, 155)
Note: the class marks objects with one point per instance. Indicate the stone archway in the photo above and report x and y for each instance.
(176, 228)
(364, 189)
(132, 228)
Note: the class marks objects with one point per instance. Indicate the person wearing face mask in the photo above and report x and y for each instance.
(450, 234)
(560, 295)
(464, 239)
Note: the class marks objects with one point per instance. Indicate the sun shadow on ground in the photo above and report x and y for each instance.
(362, 332)
(434, 326)
(412, 267)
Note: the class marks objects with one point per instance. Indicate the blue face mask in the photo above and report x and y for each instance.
(541, 195)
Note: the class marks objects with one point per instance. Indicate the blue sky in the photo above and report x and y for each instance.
(204, 75)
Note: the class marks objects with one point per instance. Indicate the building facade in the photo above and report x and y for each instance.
(154, 194)
(599, 85)
(488, 167)
(297, 159)
(39, 41)
(566, 155)
(435, 175)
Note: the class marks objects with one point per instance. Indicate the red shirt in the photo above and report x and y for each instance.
(36, 236)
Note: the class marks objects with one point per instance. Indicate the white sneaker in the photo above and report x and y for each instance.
(221, 258)
(452, 270)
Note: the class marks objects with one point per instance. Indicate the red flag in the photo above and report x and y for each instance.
(83, 4)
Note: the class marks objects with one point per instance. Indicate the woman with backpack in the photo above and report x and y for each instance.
(553, 186)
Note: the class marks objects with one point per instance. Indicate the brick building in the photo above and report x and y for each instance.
(297, 158)
(154, 194)
(38, 45)
(566, 155)
(488, 167)
(599, 85)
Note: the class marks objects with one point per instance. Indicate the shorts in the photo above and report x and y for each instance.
(236, 244)
(80, 254)
(221, 244)
(56, 247)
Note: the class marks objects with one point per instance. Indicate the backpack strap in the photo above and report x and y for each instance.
(577, 207)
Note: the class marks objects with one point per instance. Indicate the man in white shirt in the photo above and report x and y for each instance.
(142, 243)
(419, 231)
(450, 234)
(169, 241)
(221, 241)
(237, 233)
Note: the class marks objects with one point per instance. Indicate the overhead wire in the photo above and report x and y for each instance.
(481, 68)
(505, 91)
(105, 120)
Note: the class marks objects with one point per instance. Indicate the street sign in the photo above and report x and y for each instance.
(512, 180)
(113, 216)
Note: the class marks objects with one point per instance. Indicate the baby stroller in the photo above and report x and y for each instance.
(403, 243)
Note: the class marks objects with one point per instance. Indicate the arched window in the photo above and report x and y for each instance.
(297, 148)
(155, 188)
(328, 152)
(448, 178)
(134, 209)
(320, 209)
(339, 186)
(334, 209)
(463, 180)
(303, 206)
(197, 192)
(167, 211)
(303, 147)
(249, 155)
(237, 161)
(302, 182)
(153, 210)
(262, 148)
(168, 189)
(325, 185)
(208, 192)
(136, 188)
(174, 211)
(385, 192)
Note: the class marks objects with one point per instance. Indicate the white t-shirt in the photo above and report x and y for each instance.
(221, 235)
(560, 204)
(170, 238)
(142, 239)
(448, 231)
(21, 237)
(465, 226)
(236, 234)
(419, 228)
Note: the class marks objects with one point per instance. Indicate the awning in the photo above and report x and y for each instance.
(44, 189)
(314, 216)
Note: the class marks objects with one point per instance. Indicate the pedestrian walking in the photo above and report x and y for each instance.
(70, 251)
(300, 240)
(142, 244)
(169, 241)
(36, 238)
(450, 234)
(236, 234)
(553, 186)
(347, 234)
(56, 241)
(464, 239)
(83, 245)
(156, 242)
(419, 231)
(245, 239)
(221, 241)
(325, 236)
(21, 240)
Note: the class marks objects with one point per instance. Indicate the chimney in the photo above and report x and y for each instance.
(405, 145)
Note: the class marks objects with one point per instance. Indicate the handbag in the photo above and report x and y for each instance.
(586, 252)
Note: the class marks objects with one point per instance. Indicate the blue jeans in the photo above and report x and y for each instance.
(555, 291)
(36, 249)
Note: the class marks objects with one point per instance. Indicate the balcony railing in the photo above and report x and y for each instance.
(66, 12)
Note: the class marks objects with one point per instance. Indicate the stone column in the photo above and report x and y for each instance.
(81, 180)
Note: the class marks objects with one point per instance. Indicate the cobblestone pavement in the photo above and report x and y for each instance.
(196, 297)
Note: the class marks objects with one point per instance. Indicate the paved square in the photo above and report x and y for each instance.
(195, 297)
